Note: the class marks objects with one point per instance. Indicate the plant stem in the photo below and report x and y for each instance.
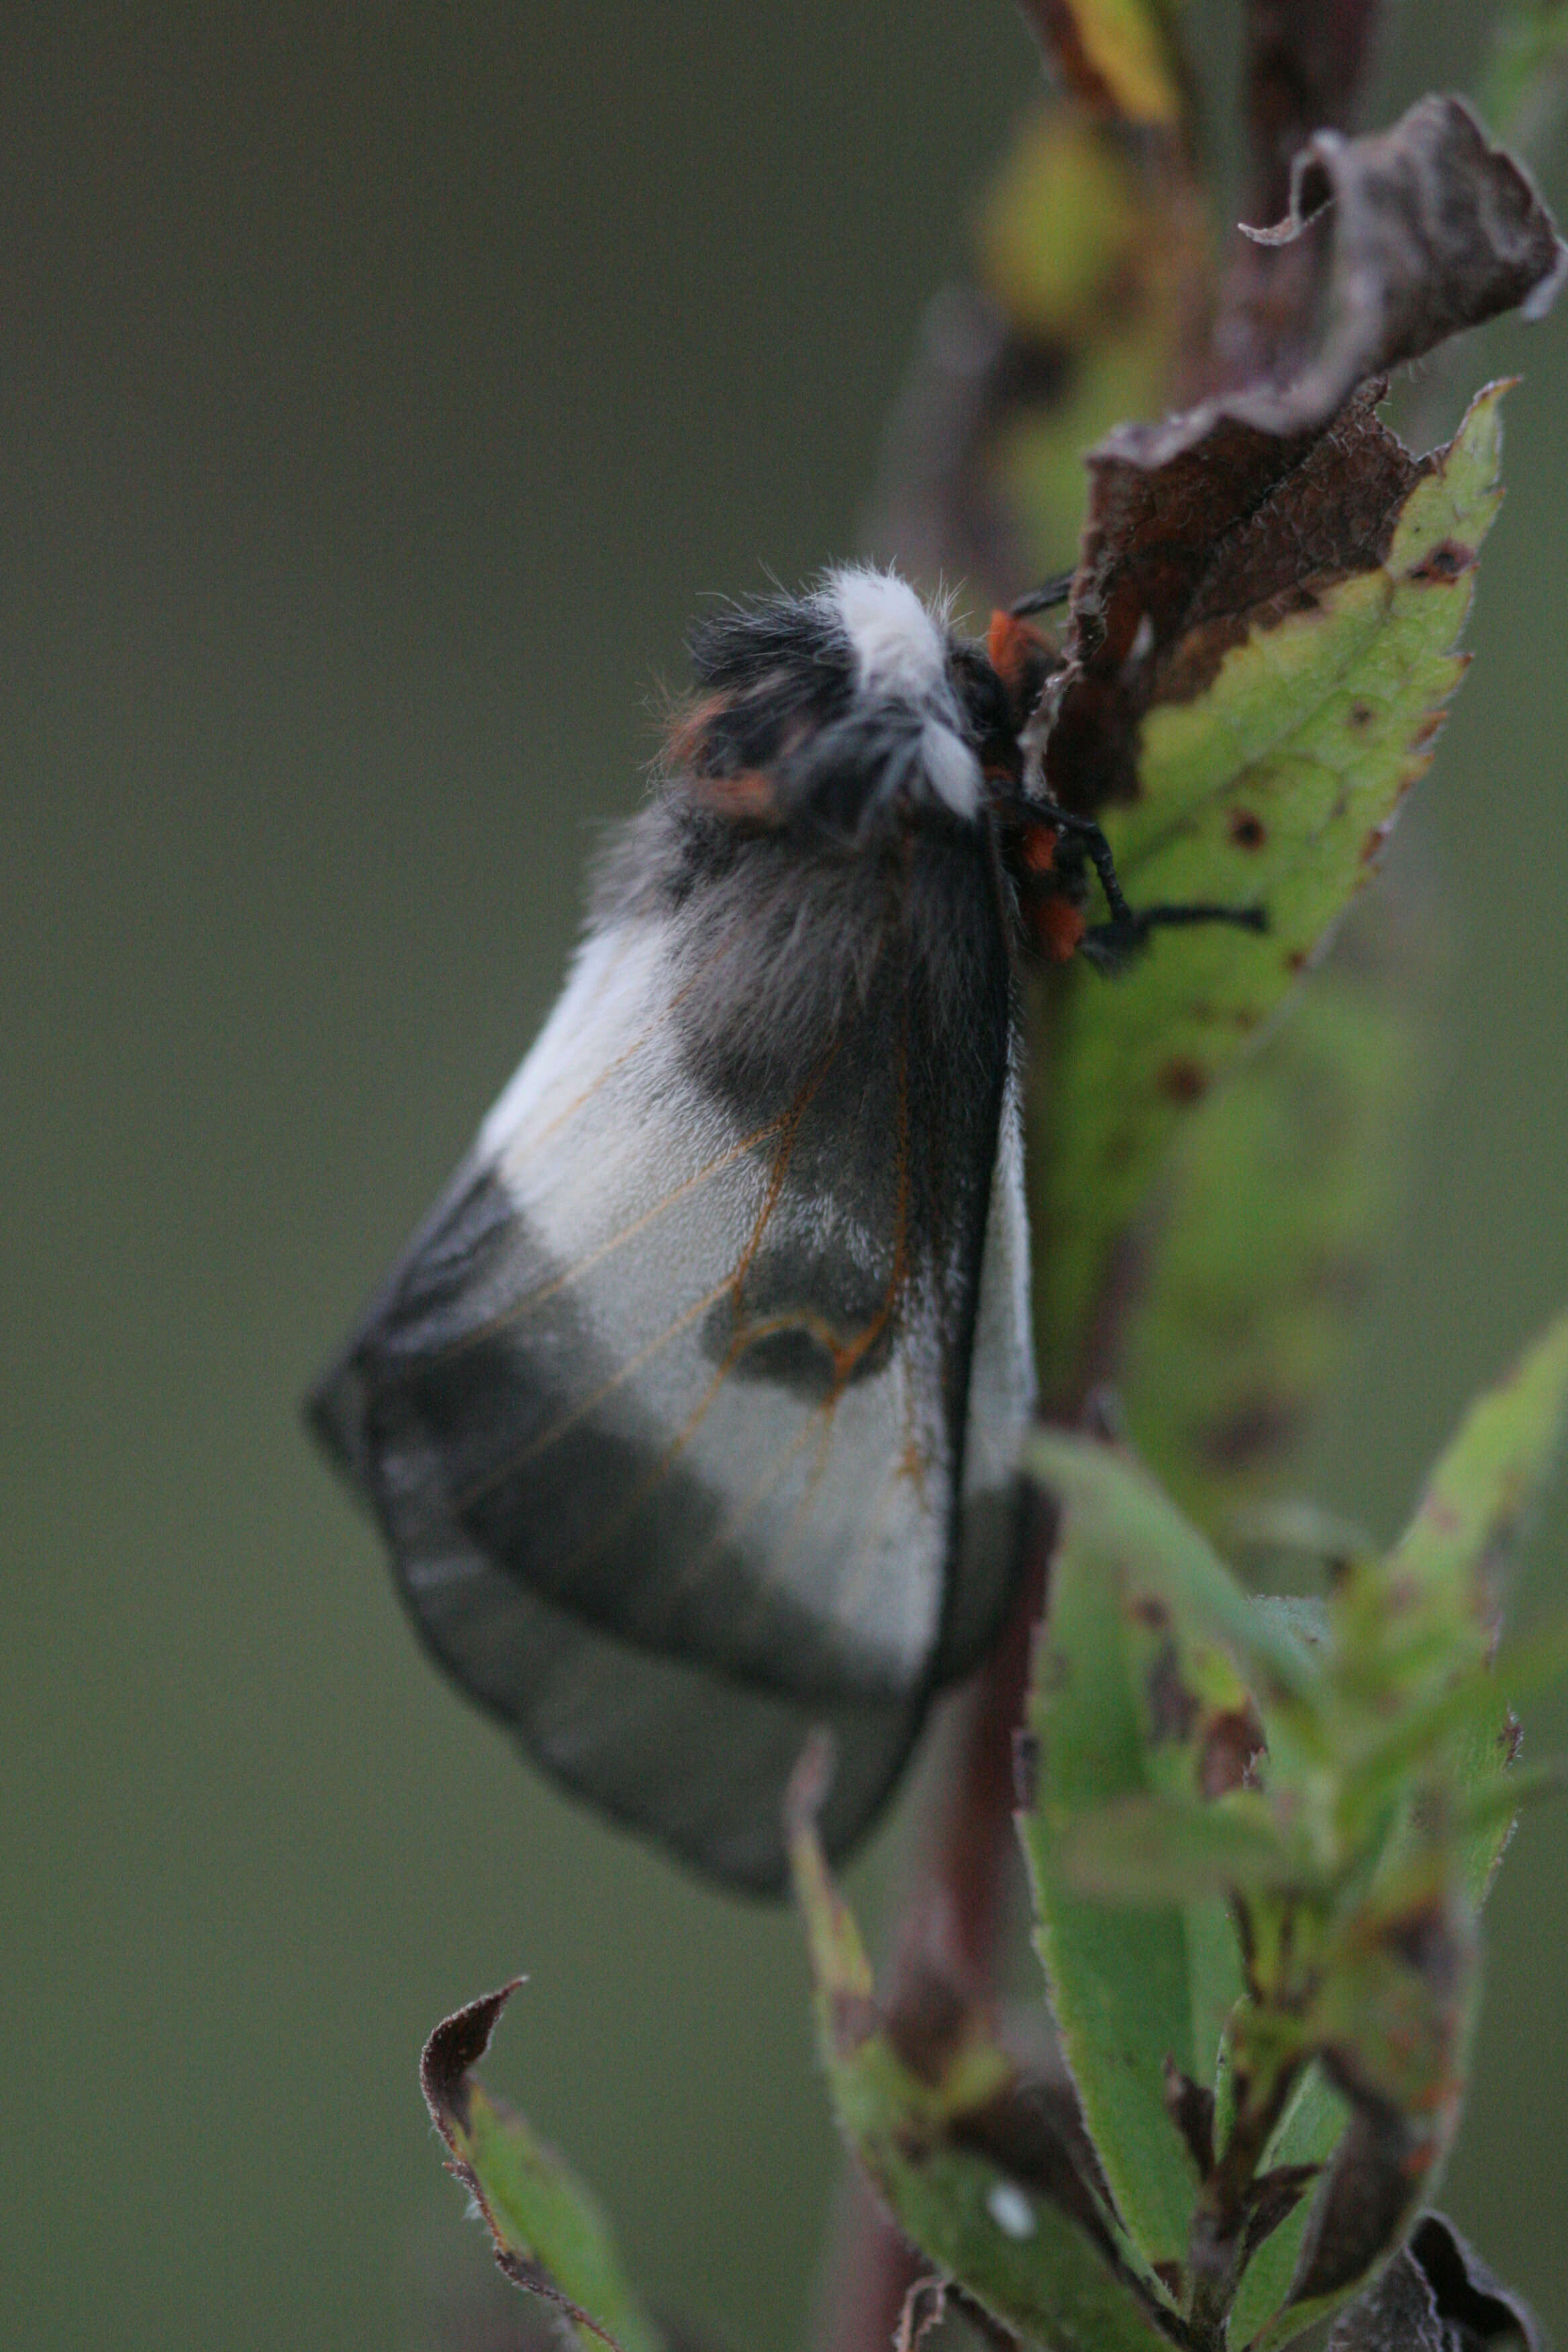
(949, 1925)
(1219, 2225)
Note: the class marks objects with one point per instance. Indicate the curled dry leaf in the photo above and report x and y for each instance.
(1419, 232)
(1435, 2295)
(549, 2235)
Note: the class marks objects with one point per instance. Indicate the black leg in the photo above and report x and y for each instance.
(1114, 944)
(1041, 600)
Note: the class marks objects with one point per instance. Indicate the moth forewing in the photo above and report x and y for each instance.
(667, 1416)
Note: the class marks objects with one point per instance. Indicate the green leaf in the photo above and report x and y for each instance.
(1147, 1851)
(550, 2237)
(1267, 773)
(1267, 1224)
(1135, 1597)
(1485, 1487)
(1309, 2132)
(1115, 1512)
(981, 2167)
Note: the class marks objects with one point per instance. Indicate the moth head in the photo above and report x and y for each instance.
(844, 712)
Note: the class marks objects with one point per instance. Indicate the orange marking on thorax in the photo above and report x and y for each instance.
(1039, 850)
(1011, 646)
(1060, 926)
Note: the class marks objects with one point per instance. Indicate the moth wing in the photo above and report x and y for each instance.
(663, 1413)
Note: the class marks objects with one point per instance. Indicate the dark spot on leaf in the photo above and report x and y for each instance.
(1184, 1080)
(1257, 1426)
(1173, 1707)
(1296, 962)
(1247, 832)
(1424, 1940)
(929, 2024)
(1233, 1743)
(1147, 1609)
(1372, 847)
(1449, 560)
(913, 2141)
(1430, 726)
(1054, 1673)
(1360, 715)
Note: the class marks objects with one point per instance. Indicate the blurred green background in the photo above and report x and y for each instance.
(382, 390)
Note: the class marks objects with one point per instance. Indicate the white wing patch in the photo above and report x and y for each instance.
(648, 1202)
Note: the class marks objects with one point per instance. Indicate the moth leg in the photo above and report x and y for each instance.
(1111, 945)
(1044, 598)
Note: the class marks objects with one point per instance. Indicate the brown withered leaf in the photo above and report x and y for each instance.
(1362, 2206)
(1398, 2315)
(548, 2234)
(1436, 2296)
(1236, 512)
(1415, 233)
(1469, 2296)
(1194, 541)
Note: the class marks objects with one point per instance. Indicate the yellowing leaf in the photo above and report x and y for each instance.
(1114, 56)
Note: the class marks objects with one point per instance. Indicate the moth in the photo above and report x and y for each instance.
(690, 1416)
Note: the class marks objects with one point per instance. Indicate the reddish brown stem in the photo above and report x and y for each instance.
(949, 1925)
